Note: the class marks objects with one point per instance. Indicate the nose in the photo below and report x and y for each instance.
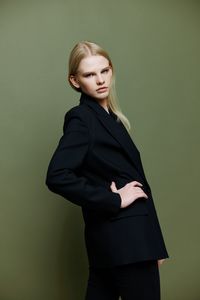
(100, 80)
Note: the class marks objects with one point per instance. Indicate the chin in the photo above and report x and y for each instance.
(102, 95)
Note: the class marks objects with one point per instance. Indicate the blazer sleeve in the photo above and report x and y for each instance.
(62, 174)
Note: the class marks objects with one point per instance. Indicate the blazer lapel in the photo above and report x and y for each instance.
(117, 130)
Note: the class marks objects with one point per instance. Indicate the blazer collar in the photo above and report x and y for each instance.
(117, 130)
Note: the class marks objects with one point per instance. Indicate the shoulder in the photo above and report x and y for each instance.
(77, 111)
(77, 117)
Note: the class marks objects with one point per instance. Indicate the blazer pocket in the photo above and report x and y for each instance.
(137, 208)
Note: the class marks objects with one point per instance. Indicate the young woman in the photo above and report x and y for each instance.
(97, 166)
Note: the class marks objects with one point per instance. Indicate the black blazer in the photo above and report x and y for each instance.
(94, 150)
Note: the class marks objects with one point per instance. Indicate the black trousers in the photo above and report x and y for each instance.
(135, 281)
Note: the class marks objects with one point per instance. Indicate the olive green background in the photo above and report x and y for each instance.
(155, 48)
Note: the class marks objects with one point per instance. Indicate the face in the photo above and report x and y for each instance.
(93, 73)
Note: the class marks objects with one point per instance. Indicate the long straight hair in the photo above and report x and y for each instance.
(84, 49)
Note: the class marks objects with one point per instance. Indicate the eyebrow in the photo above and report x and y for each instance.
(86, 73)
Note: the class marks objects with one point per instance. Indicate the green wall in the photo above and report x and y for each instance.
(155, 47)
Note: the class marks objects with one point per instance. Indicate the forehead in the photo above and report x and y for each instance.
(93, 63)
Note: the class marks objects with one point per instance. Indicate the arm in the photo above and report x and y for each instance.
(67, 159)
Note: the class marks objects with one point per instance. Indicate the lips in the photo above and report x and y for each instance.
(102, 89)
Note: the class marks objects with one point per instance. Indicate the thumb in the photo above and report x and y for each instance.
(113, 186)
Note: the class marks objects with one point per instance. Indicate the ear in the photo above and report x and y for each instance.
(74, 81)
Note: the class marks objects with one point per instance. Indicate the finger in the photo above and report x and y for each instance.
(141, 195)
(145, 195)
(160, 261)
(137, 188)
(113, 186)
(140, 191)
(136, 183)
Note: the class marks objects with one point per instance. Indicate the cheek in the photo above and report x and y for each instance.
(89, 84)
(86, 85)
(110, 78)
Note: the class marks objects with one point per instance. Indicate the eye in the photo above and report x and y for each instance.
(105, 71)
(88, 75)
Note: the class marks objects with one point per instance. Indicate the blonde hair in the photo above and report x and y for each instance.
(87, 48)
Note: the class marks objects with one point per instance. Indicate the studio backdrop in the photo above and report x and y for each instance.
(155, 48)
